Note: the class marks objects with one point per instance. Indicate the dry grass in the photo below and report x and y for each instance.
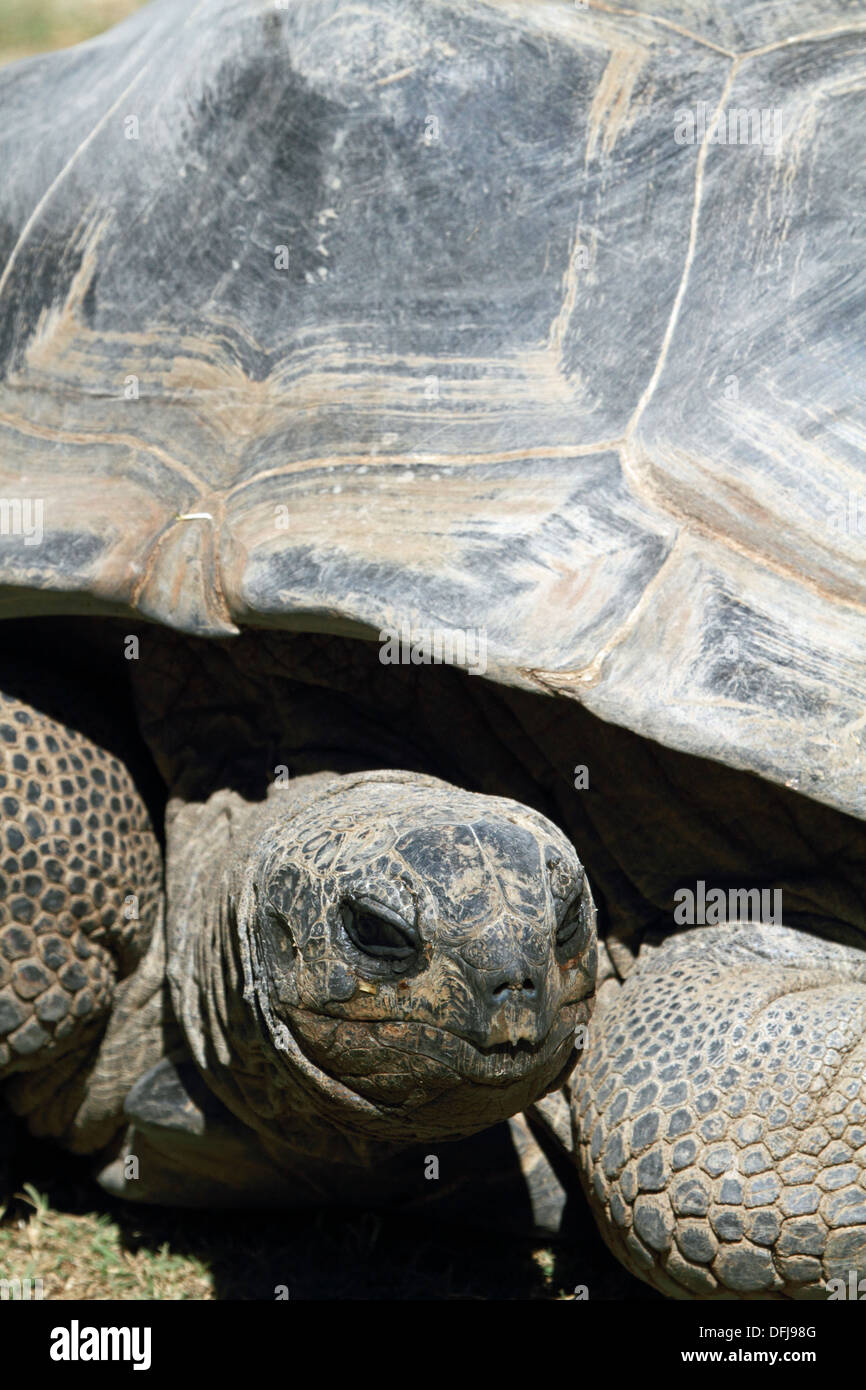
(83, 1256)
(32, 26)
(59, 1227)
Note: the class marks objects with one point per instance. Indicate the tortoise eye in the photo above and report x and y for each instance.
(376, 935)
(572, 929)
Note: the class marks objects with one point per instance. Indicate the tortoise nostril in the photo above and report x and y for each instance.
(525, 988)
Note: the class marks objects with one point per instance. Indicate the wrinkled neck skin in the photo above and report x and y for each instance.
(246, 1007)
(211, 977)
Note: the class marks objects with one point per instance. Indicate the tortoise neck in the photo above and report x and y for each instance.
(257, 710)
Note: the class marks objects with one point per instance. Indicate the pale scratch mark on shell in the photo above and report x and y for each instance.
(128, 441)
(304, 53)
(611, 115)
(800, 142)
(394, 77)
(563, 23)
(58, 324)
(611, 112)
(559, 326)
(460, 461)
(810, 36)
(587, 676)
(646, 485)
(690, 254)
(664, 24)
(790, 151)
(71, 161)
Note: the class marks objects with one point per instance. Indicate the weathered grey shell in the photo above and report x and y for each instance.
(534, 366)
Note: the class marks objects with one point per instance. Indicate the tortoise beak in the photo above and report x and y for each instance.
(512, 1004)
(512, 1024)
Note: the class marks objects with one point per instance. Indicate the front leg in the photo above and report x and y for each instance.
(721, 1108)
(80, 903)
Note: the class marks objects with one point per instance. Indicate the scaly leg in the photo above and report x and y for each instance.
(721, 1107)
(80, 891)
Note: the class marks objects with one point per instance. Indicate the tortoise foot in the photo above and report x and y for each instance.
(721, 1109)
(80, 892)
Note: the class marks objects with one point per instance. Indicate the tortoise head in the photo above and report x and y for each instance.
(419, 954)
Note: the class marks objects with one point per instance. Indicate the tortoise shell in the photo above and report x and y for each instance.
(542, 320)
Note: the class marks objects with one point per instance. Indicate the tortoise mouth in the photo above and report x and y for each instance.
(441, 1057)
(495, 1064)
(510, 1076)
(512, 1049)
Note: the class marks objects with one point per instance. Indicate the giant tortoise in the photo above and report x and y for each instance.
(432, 440)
